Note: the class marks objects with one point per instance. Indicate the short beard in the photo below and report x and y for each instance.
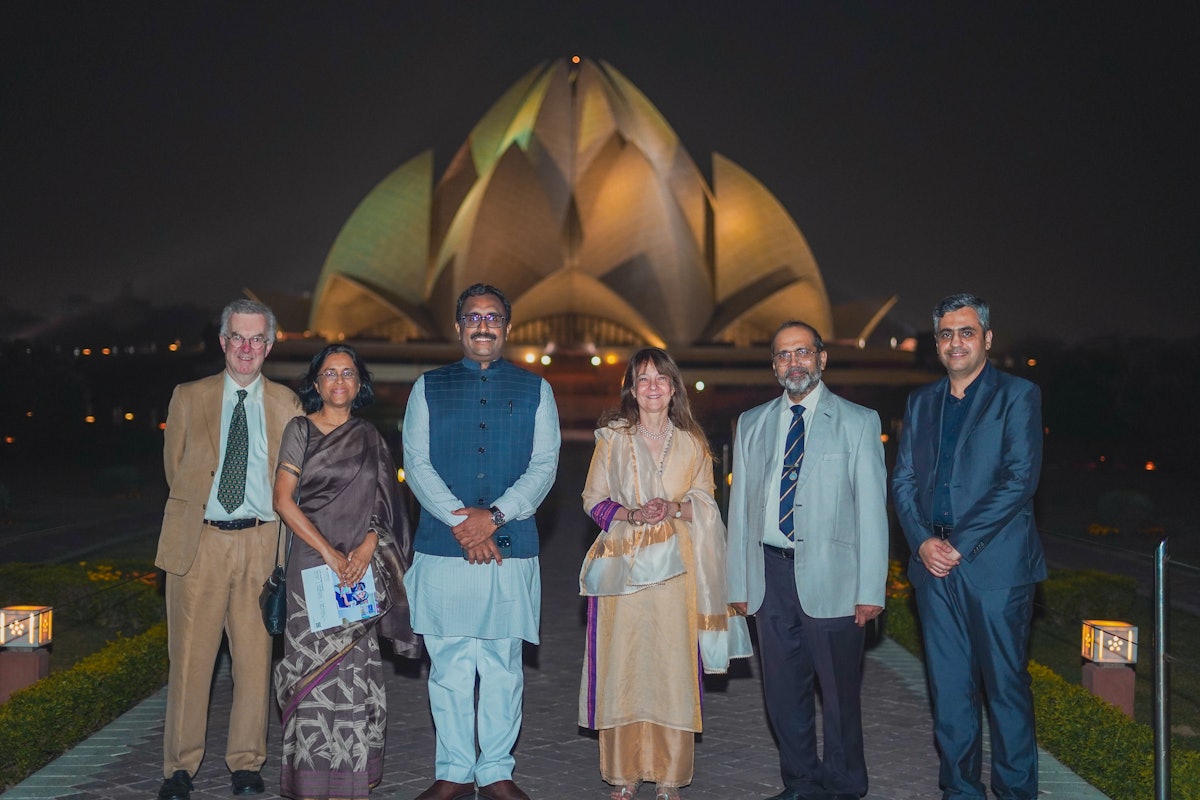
(799, 387)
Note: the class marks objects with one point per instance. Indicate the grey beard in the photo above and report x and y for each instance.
(801, 385)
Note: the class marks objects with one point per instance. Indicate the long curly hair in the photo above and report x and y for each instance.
(627, 414)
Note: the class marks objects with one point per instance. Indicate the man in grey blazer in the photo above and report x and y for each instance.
(217, 546)
(808, 550)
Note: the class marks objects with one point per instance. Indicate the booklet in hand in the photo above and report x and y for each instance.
(331, 605)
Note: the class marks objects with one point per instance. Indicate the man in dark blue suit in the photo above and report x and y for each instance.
(963, 486)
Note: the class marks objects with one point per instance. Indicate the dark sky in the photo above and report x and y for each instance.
(1043, 155)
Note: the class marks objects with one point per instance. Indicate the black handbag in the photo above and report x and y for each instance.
(273, 598)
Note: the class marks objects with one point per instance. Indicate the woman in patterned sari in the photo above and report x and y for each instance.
(330, 684)
(655, 582)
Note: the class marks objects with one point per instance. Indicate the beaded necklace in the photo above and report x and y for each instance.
(664, 433)
(668, 433)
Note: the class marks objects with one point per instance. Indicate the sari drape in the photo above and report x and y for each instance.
(648, 641)
(330, 684)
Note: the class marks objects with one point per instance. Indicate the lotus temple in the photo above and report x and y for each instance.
(575, 196)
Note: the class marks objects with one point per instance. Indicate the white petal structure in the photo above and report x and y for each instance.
(577, 199)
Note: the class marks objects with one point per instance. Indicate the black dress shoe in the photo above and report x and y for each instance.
(176, 787)
(502, 790)
(448, 790)
(247, 782)
(796, 794)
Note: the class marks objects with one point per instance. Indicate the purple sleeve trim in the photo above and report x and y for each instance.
(604, 511)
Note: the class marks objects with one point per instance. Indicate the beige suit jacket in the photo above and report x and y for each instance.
(191, 452)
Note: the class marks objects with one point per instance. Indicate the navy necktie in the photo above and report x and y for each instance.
(793, 454)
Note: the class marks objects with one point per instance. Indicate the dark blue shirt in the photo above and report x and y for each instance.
(954, 411)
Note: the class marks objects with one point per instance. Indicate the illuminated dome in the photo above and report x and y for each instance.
(575, 197)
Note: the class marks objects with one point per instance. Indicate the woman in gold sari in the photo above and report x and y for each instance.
(655, 582)
(349, 515)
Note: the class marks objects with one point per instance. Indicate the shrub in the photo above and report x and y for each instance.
(1069, 596)
(1092, 738)
(93, 603)
(1097, 741)
(40, 723)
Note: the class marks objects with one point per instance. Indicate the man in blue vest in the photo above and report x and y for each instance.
(481, 444)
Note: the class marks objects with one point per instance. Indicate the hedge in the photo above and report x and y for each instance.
(42, 722)
(1092, 738)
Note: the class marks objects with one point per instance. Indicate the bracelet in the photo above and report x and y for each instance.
(631, 519)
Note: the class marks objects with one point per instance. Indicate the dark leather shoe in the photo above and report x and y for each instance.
(794, 794)
(448, 790)
(502, 790)
(176, 787)
(247, 782)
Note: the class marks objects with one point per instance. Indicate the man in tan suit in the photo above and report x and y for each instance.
(217, 547)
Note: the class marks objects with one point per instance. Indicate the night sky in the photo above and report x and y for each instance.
(1043, 155)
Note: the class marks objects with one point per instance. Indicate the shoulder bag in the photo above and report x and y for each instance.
(273, 599)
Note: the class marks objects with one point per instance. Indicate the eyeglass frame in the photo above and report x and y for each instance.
(499, 319)
(238, 341)
(791, 356)
(330, 375)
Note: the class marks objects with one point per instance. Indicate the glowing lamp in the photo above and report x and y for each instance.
(25, 626)
(1107, 641)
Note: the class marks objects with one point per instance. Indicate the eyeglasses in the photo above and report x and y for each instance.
(492, 320)
(799, 354)
(256, 342)
(332, 375)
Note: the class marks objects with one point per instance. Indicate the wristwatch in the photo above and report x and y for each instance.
(679, 511)
(497, 517)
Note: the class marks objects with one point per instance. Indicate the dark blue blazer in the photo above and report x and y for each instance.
(996, 465)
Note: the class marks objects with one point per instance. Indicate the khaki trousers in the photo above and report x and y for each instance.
(219, 594)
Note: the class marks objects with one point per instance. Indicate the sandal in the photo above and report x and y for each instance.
(667, 793)
(625, 792)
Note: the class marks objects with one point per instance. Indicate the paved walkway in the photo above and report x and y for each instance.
(735, 758)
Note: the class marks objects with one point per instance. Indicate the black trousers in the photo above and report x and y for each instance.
(796, 649)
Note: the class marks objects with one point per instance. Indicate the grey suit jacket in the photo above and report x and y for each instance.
(191, 452)
(840, 507)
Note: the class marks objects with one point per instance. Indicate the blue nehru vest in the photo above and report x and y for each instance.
(480, 442)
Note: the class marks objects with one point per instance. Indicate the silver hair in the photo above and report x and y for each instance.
(962, 300)
(244, 306)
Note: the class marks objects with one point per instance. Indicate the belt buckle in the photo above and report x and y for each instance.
(942, 531)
